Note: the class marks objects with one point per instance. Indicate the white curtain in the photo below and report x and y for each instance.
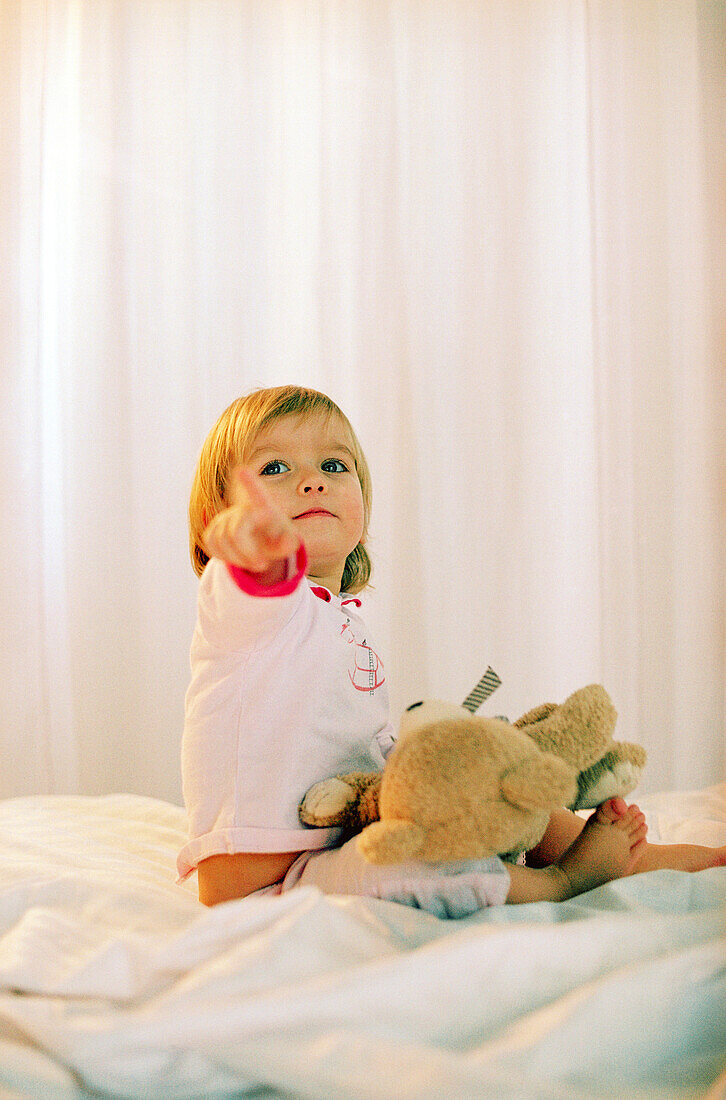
(490, 230)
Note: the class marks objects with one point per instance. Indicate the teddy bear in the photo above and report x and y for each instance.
(580, 731)
(458, 785)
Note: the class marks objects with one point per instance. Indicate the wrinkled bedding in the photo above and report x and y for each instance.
(115, 981)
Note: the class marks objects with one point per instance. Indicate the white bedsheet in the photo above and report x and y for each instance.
(114, 981)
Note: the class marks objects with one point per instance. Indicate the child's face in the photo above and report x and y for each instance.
(306, 465)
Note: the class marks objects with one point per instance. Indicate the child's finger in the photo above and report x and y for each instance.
(283, 544)
(268, 523)
(252, 536)
(219, 539)
(274, 535)
(211, 534)
(238, 548)
(261, 540)
(265, 517)
(256, 494)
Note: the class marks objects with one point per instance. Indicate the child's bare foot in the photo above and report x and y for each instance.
(673, 857)
(608, 847)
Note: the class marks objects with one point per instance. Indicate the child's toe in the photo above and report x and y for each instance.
(608, 813)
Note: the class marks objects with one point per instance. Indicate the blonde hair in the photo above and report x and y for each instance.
(231, 440)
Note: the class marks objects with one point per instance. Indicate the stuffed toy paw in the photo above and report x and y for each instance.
(348, 801)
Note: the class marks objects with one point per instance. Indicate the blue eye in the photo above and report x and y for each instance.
(342, 468)
(275, 467)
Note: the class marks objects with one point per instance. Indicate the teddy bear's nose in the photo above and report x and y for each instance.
(414, 705)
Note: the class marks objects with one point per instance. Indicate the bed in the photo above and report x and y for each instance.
(115, 981)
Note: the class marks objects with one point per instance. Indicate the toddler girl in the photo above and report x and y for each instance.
(287, 687)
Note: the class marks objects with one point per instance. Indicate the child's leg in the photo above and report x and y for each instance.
(604, 850)
(562, 831)
(606, 847)
(455, 889)
(564, 828)
(679, 857)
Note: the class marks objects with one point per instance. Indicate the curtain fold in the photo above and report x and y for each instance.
(491, 231)
(657, 172)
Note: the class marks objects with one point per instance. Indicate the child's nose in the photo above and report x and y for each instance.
(313, 483)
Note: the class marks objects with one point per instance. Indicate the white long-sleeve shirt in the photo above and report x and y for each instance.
(286, 689)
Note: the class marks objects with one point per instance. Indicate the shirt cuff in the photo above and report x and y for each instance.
(232, 841)
(248, 582)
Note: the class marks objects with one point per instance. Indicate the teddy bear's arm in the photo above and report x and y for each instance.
(348, 801)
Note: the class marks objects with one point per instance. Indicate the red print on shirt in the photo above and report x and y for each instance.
(366, 669)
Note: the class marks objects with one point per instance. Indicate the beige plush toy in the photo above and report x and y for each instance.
(458, 785)
(580, 731)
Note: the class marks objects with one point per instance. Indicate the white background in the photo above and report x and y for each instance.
(490, 231)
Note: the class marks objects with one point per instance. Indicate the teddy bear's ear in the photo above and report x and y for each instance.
(540, 782)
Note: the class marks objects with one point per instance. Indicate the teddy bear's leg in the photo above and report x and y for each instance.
(348, 801)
